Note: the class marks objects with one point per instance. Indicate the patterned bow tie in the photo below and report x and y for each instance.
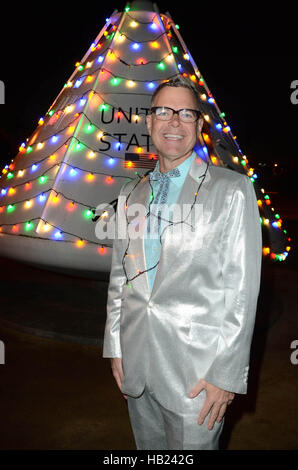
(157, 175)
(161, 196)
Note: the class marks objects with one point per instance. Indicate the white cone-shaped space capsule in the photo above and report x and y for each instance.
(94, 138)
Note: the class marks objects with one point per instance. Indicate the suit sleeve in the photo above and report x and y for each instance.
(241, 257)
(111, 344)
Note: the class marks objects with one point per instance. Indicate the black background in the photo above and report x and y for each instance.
(246, 54)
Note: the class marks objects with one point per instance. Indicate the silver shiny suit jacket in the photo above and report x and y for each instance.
(199, 319)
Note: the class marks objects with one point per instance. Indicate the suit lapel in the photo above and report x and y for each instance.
(139, 198)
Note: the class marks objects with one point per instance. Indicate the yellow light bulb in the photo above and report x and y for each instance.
(111, 55)
(69, 109)
(28, 204)
(120, 37)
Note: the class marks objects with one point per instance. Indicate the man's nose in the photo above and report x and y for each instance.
(175, 121)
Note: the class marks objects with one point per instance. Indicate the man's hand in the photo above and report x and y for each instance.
(216, 402)
(116, 364)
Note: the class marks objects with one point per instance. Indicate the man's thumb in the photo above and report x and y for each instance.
(197, 389)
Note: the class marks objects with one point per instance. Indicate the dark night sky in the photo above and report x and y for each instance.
(247, 57)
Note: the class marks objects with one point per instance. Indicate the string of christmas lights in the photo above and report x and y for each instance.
(163, 34)
(58, 236)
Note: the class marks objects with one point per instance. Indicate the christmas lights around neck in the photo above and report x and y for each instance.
(170, 223)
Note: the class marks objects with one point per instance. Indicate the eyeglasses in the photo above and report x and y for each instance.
(163, 113)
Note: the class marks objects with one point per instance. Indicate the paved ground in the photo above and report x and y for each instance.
(58, 393)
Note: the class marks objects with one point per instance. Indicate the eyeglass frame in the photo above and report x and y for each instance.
(199, 114)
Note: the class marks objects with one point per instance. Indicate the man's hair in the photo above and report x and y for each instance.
(178, 82)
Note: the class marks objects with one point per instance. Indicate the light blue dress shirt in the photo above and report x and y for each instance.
(153, 245)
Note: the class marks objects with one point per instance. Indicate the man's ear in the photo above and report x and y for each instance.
(149, 123)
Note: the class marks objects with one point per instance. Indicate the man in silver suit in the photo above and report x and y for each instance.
(181, 309)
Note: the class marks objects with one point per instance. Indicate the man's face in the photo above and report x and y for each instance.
(174, 140)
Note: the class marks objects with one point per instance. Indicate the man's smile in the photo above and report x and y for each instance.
(173, 136)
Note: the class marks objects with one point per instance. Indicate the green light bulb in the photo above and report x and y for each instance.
(115, 81)
(43, 179)
(29, 226)
(88, 214)
(90, 128)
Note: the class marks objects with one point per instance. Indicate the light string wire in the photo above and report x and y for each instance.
(74, 167)
(53, 226)
(142, 22)
(89, 206)
(171, 222)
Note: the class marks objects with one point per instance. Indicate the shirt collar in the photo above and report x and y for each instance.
(183, 168)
